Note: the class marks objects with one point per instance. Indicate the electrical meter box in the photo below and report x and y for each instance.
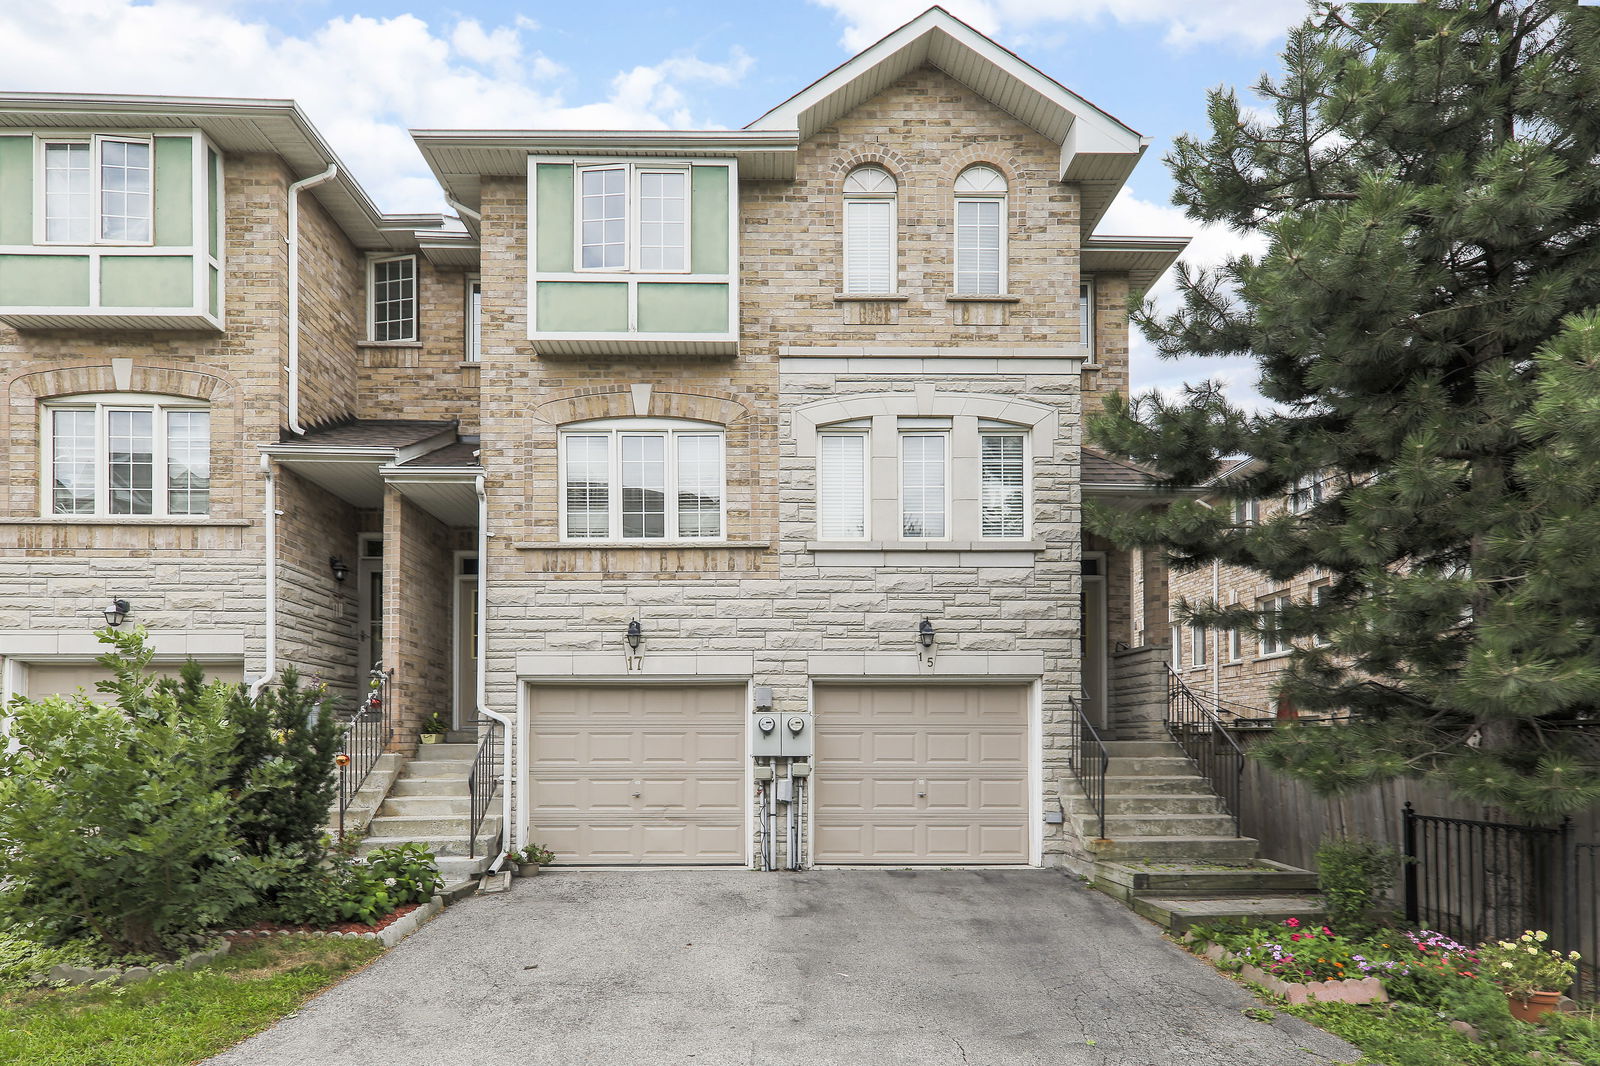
(796, 730)
(766, 734)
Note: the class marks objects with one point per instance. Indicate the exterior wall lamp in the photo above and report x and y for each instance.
(635, 634)
(116, 612)
(925, 634)
(340, 568)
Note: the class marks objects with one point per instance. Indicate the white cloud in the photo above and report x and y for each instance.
(364, 81)
(1249, 22)
(1211, 244)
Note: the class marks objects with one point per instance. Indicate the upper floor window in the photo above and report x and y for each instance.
(924, 483)
(474, 346)
(842, 489)
(392, 298)
(127, 455)
(633, 216)
(1004, 474)
(980, 231)
(1086, 317)
(96, 190)
(869, 231)
(1272, 642)
(1304, 494)
(1246, 512)
(642, 479)
(1197, 645)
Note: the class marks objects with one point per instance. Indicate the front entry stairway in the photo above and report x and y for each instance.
(428, 804)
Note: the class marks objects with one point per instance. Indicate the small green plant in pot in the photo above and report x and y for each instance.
(434, 729)
(529, 859)
(1532, 976)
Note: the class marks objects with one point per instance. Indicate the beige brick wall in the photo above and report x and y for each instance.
(418, 579)
(428, 379)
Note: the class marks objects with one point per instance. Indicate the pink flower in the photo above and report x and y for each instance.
(1293, 923)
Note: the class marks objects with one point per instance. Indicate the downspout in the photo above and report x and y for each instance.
(464, 209)
(1216, 636)
(294, 290)
(269, 517)
(483, 673)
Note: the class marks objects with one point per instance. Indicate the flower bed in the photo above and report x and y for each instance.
(1299, 974)
(389, 929)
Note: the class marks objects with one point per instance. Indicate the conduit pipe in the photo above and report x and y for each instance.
(293, 240)
(269, 518)
(483, 675)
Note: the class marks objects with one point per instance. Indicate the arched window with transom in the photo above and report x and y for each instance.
(980, 232)
(870, 220)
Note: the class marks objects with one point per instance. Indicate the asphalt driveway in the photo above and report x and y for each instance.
(854, 968)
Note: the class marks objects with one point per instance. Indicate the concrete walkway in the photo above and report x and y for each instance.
(854, 968)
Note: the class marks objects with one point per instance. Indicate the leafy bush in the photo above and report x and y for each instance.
(113, 819)
(533, 853)
(408, 871)
(1355, 876)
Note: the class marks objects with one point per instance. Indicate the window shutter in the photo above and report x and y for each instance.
(869, 246)
(842, 489)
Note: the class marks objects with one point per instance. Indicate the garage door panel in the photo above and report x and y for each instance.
(890, 746)
(1002, 748)
(950, 747)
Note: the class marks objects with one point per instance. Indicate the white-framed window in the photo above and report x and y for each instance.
(474, 338)
(1197, 645)
(1176, 637)
(1305, 494)
(1233, 645)
(1247, 512)
(642, 479)
(392, 298)
(870, 224)
(843, 484)
(1272, 643)
(120, 454)
(95, 190)
(1320, 594)
(924, 485)
(1086, 317)
(633, 217)
(980, 231)
(1003, 489)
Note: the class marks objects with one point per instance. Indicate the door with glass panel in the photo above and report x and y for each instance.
(369, 637)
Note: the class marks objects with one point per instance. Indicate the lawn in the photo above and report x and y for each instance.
(1404, 1035)
(177, 1018)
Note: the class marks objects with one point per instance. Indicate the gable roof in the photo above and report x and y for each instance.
(1098, 150)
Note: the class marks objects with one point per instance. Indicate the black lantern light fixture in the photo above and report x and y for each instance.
(635, 634)
(340, 568)
(925, 634)
(116, 612)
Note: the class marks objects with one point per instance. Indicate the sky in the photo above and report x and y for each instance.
(366, 72)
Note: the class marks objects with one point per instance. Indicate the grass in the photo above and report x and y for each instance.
(177, 1018)
(1401, 1035)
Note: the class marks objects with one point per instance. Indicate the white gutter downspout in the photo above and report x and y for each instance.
(269, 671)
(294, 291)
(1216, 636)
(464, 209)
(483, 674)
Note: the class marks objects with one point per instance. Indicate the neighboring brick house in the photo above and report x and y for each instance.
(679, 418)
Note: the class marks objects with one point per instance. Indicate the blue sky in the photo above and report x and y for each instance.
(367, 71)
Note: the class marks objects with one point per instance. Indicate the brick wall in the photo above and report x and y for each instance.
(418, 579)
(428, 379)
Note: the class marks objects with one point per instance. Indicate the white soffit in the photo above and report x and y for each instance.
(1143, 259)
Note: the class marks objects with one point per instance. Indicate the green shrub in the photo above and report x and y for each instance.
(408, 871)
(1355, 876)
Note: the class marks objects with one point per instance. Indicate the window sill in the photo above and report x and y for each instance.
(1091, 366)
(926, 546)
(1274, 655)
(472, 364)
(388, 344)
(644, 545)
(865, 297)
(982, 298)
(123, 520)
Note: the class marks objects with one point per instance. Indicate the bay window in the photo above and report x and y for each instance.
(642, 480)
(633, 218)
(127, 455)
(96, 190)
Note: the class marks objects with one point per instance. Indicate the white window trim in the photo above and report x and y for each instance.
(630, 251)
(1005, 227)
(416, 298)
(94, 141)
(1198, 656)
(866, 484)
(617, 429)
(1233, 645)
(1247, 512)
(900, 477)
(101, 404)
(892, 198)
(1027, 480)
(1279, 646)
(1086, 289)
(472, 351)
(1176, 637)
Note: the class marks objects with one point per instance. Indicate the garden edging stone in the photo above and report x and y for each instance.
(131, 975)
(1354, 990)
(388, 936)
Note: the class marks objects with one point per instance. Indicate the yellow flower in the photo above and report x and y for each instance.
(1541, 936)
(1505, 966)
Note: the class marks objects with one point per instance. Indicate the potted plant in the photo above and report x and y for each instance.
(434, 729)
(1532, 976)
(529, 859)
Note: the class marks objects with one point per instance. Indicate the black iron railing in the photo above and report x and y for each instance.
(1479, 881)
(1198, 727)
(1090, 758)
(482, 783)
(366, 736)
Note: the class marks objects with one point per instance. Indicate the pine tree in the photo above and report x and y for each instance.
(1426, 179)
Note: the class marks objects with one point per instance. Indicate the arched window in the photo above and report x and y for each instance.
(127, 454)
(869, 231)
(642, 479)
(980, 231)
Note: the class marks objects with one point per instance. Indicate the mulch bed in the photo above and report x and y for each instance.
(250, 932)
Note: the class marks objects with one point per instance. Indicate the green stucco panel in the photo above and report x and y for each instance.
(213, 194)
(174, 179)
(553, 228)
(16, 190)
(44, 281)
(683, 308)
(216, 293)
(708, 212)
(582, 307)
(147, 281)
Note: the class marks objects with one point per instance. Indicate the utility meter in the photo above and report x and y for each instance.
(766, 738)
(797, 736)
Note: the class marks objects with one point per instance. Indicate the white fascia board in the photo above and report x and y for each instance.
(301, 453)
(442, 475)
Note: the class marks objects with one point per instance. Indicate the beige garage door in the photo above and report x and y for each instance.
(647, 775)
(922, 774)
(47, 679)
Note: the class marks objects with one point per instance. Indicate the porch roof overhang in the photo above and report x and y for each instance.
(359, 459)
(1126, 484)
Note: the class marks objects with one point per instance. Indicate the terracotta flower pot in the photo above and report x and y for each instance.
(1533, 1008)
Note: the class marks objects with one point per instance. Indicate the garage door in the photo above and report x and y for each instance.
(922, 774)
(47, 679)
(647, 775)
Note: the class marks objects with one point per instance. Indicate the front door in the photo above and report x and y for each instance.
(369, 573)
(466, 641)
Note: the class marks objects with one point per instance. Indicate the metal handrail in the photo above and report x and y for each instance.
(1198, 728)
(482, 783)
(1090, 759)
(366, 737)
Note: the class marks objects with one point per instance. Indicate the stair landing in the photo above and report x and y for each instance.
(429, 805)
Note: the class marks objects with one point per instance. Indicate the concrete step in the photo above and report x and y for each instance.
(1133, 749)
(419, 826)
(446, 752)
(1140, 804)
(454, 806)
(1178, 878)
(1179, 914)
(460, 868)
(1149, 766)
(452, 845)
(439, 769)
(1184, 784)
(1191, 848)
(1163, 825)
(455, 785)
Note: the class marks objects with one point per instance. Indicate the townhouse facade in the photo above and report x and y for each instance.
(671, 449)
